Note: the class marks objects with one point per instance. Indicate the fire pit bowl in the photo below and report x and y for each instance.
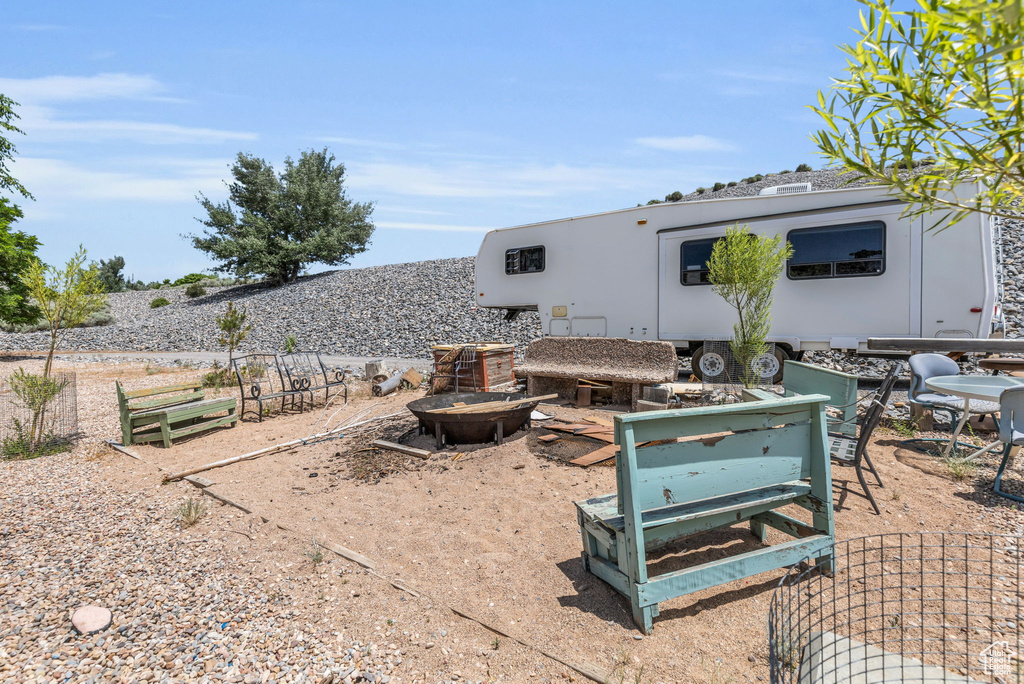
(471, 428)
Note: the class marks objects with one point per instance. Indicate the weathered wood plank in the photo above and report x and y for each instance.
(135, 394)
(596, 456)
(713, 573)
(401, 448)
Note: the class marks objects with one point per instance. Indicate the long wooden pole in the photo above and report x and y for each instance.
(285, 446)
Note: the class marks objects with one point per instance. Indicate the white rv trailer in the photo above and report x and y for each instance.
(859, 269)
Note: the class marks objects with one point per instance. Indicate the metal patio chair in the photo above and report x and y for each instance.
(925, 366)
(1011, 431)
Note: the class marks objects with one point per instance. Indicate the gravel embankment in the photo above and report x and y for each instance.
(397, 310)
(184, 608)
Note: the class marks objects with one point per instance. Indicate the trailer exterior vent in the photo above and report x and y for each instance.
(786, 189)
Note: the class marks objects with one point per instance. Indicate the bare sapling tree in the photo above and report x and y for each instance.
(743, 270)
(233, 329)
(65, 297)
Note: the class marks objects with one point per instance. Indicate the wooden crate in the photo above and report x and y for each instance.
(493, 367)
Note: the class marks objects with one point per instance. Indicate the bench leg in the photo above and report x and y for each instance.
(759, 530)
(165, 431)
(644, 617)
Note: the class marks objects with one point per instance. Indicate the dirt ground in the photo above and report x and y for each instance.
(491, 531)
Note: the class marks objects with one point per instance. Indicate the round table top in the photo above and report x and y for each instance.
(982, 387)
(1001, 363)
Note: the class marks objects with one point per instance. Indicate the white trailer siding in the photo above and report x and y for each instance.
(617, 274)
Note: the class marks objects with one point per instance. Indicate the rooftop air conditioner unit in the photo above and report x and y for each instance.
(786, 189)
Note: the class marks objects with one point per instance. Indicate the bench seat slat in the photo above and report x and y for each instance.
(189, 409)
(604, 509)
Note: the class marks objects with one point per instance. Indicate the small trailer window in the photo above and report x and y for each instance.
(846, 251)
(693, 261)
(524, 260)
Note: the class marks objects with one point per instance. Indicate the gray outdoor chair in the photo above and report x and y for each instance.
(925, 366)
(1011, 431)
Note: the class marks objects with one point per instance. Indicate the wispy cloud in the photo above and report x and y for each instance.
(40, 99)
(57, 180)
(49, 129)
(445, 228)
(48, 89)
(41, 27)
(475, 180)
(359, 142)
(763, 76)
(687, 143)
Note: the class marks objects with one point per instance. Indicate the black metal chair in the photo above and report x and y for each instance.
(260, 379)
(855, 451)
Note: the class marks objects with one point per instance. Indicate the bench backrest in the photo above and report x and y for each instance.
(259, 375)
(303, 370)
(720, 450)
(840, 388)
(149, 398)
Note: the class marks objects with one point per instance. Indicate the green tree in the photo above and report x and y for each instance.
(743, 270)
(7, 148)
(943, 82)
(110, 274)
(66, 297)
(284, 222)
(17, 253)
(233, 330)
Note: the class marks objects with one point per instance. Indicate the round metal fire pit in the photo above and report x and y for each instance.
(471, 428)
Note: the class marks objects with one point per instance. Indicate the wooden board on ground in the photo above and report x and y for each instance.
(600, 421)
(603, 454)
(549, 438)
(401, 448)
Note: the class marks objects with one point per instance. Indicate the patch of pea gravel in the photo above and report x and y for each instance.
(184, 609)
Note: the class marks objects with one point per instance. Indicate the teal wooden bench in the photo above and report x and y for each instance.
(839, 387)
(174, 411)
(722, 465)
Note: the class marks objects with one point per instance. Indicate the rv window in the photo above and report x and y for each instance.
(524, 260)
(853, 249)
(693, 261)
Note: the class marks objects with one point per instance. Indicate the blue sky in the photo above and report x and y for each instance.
(454, 118)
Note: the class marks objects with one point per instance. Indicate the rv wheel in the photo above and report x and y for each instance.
(781, 356)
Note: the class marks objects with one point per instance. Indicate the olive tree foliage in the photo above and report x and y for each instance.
(274, 225)
(65, 296)
(7, 148)
(743, 270)
(17, 253)
(942, 83)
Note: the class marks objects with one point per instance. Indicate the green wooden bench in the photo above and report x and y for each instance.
(840, 388)
(174, 411)
(720, 466)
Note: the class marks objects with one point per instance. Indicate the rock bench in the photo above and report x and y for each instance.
(554, 365)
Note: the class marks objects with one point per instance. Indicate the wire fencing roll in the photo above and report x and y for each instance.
(38, 414)
(911, 607)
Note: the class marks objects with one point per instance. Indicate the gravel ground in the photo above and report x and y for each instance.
(184, 607)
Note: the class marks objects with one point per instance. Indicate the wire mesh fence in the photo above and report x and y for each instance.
(725, 374)
(38, 414)
(912, 607)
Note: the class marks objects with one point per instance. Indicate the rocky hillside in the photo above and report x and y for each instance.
(396, 310)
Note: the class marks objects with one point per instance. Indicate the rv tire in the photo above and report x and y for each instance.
(781, 355)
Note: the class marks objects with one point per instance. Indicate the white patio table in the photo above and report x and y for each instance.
(980, 387)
